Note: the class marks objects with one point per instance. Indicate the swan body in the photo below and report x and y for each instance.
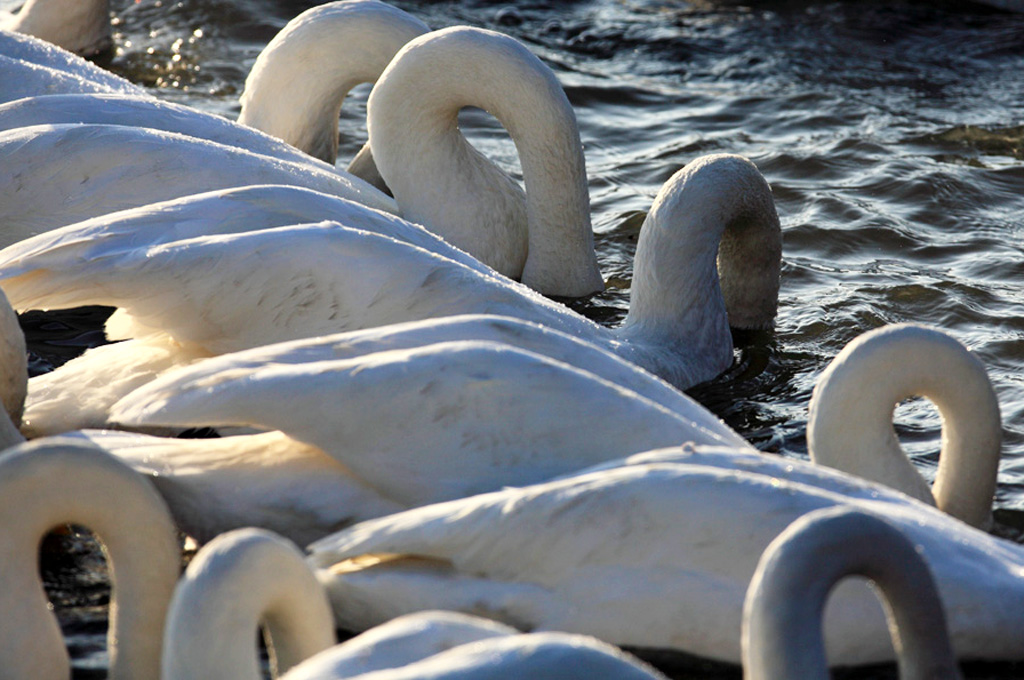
(312, 64)
(33, 67)
(544, 238)
(850, 424)
(247, 576)
(102, 168)
(80, 26)
(305, 280)
(629, 554)
(432, 422)
(48, 483)
(782, 614)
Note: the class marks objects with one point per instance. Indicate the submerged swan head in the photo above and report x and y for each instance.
(441, 181)
(782, 615)
(51, 482)
(295, 88)
(850, 425)
(80, 26)
(708, 258)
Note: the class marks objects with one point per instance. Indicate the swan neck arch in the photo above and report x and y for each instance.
(50, 483)
(784, 608)
(237, 581)
(296, 87)
(422, 155)
(850, 425)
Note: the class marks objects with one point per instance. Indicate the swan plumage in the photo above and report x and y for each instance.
(305, 280)
(785, 604)
(544, 238)
(431, 422)
(628, 554)
(51, 482)
(36, 67)
(102, 168)
(850, 423)
(80, 26)
(247, 576)
(148, 112)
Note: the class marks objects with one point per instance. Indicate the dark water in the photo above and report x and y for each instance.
(891, 133)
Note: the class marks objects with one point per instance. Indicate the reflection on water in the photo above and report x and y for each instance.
(889, 130)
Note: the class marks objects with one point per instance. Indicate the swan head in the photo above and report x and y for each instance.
(14, 360)
(851, 411)
(295, 88)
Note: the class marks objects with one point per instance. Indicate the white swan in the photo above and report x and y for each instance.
(782, 614)
(543, 239)
(97, 169)
(431, 422)
(47, 483)
(628, 554)
(300, 281)
(850, 424)
(31, 67)
(81, 26)
(249, 576)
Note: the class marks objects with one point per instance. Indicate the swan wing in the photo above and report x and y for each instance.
(231, 292)
(223, 211)
(101, 168)
(145, 111)
(653, 555)
(425, 424)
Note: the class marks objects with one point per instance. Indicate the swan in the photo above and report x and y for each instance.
(783, 609)
(304, 280)
(850, 419)
(80, 26)
(543, 238)
(627, 554)
(97, 169)
(31, 66)
(432, 422)
(249, 576)
(51, 482)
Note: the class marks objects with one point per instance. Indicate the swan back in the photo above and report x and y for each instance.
(48, 483)
(238, 580)
(441, 181)
(295, 89)
(850, 424)
(784, 607)
(80, 26)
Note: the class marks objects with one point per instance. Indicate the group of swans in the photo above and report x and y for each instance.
(543, 236)
(163, 627)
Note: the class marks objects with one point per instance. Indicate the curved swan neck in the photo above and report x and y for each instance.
(236, 581)
(422, 155)
(782, 618)
(52, 482)
(850, 424)
(80, 26)
(296, 87)
(677, 295)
